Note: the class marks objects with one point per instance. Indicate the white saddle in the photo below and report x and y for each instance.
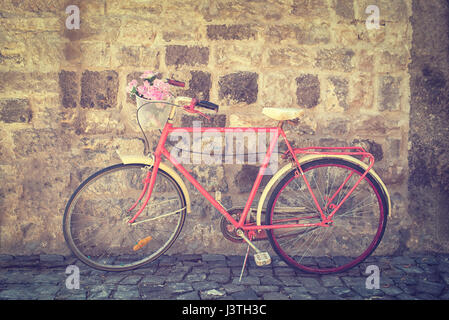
(281, 114)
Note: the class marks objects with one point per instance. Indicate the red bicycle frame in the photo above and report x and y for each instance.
(241, 223)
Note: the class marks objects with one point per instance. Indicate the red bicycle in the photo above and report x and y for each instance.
(324, 211)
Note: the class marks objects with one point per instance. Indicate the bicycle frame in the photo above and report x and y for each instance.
(241, 223)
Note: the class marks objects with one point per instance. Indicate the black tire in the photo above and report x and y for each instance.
(356, 232)
(95, 222)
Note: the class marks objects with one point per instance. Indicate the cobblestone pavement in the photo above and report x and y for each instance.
(213, 276)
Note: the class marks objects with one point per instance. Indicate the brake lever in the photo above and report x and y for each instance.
(191, 109)
(200, 113)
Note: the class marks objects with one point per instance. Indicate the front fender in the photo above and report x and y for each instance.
(126, 159)
(284, 170)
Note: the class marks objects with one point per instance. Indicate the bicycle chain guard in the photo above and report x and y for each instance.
(227, 229)
(230, 232)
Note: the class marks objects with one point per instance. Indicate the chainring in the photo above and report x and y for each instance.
(228, 230)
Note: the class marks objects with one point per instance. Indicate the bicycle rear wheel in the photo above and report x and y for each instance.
(357, 228)
(96, 218)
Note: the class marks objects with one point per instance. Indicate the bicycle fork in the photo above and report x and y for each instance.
(149, 182)
(146, 182)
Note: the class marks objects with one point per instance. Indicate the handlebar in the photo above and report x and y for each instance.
(176, 83)
(208, 105)
(194, 102)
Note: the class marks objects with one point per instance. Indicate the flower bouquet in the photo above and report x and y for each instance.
(149, 94)
(151, 89)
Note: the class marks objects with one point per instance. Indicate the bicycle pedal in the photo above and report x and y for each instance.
(262, 258)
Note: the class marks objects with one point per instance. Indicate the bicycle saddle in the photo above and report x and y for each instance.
(281, 114)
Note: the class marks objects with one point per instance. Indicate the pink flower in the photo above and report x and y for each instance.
(131, 85)
(147, 74)
(158, 90)
(141, 90)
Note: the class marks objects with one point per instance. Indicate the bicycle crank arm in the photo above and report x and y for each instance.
(261, 258)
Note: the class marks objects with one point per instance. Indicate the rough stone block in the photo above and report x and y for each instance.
(33, 7)
(99, 89)
(12, 55)
(393, 61)
(72, 51)
(308, 90)
(135, 8)
(136, 55)
(150, 58)
(344, 8)
(239, 87)
(199, 85)
(43, 140)
(390, 93)
(68, 84)
(183, 55)
(304, 33)
(290, 57)
(212, 178)
(277, 90)
(128, 26)
(391, 175)
(231, 32)
(15, 110)
(218, 120)
(280, 33)
(246, 177)
(362, 95)
(373, 125)
(335, 59)
(240, 11)
(394, 148)
(129, 55)
(340, 89)
(243, 54)
(370, 146)
(310, 8)
(98, 28)
(337, 127)
(102, 122)
(313, 33)
(98, 54)
(177, 28)
(44, 51)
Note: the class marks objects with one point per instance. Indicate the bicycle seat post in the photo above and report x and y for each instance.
(280, 124)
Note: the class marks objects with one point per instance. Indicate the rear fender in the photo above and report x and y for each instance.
(287, 168)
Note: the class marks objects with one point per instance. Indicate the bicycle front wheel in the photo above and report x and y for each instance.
(357, 227)
(96, 218)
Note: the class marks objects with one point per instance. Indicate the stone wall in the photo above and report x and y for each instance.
(64, 111)
(429, 129)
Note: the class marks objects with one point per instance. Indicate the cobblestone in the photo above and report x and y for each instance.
(216, 277)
